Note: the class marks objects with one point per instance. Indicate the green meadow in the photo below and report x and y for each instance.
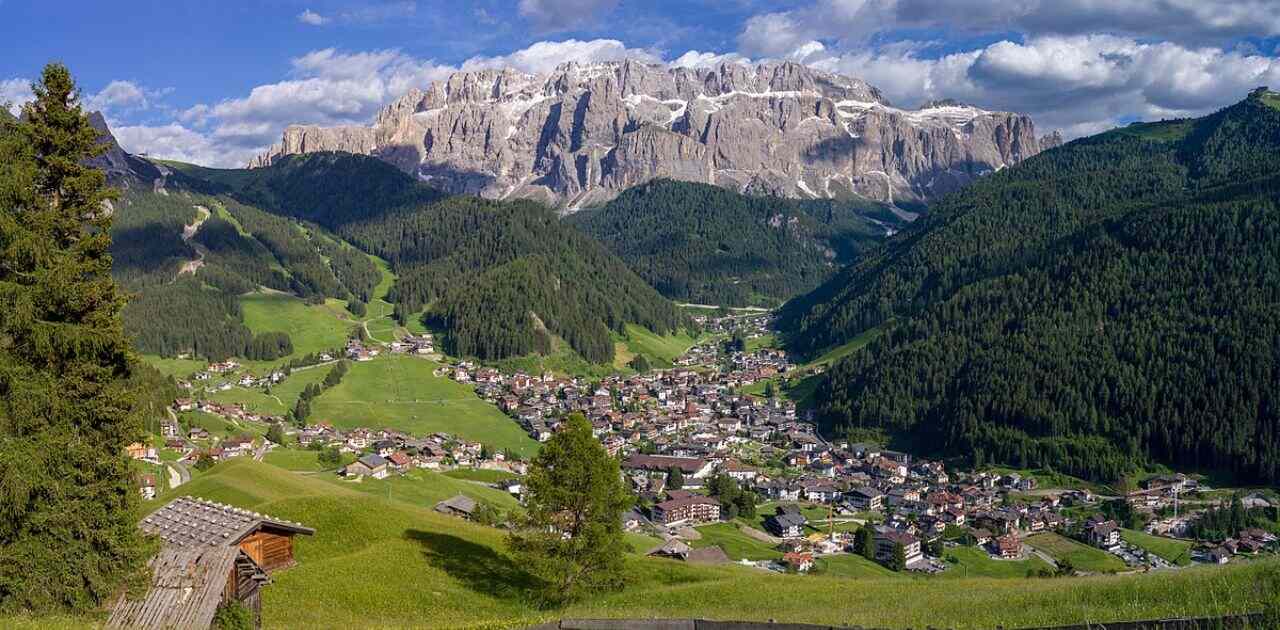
(400, 392)
(1081, 556)
(382, 558)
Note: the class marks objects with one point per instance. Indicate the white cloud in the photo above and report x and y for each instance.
(1080, 84)
(176, 142)
(312, 18)
(545, 56)
(854, 22)
(548, 16)
(118, 95)
(697, 59)
(15, 92)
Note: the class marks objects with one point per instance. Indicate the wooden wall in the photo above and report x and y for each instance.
(271, 551)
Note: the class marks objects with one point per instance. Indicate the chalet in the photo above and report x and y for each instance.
(797, 561)
(887, 540)
(184, 404)
(187, 522)
(1103, 534)
(786, 523)
(147, 486)
(237, 446)
(169, 428)
(460, 505)
(694, 509)
(693, 467)
(865, 498)
(1008, 546)
(188, 584)
(371, 465)
(400, 462)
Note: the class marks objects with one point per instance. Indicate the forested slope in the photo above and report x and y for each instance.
(501, 278)
(706, 244)
(1106, 305)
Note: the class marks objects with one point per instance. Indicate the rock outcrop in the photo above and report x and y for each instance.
(578, 136)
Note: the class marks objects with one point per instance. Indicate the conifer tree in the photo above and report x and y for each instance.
(68, 534)
(571, 534)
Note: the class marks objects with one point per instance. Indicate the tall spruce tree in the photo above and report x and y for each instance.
(68, 535)
(571, 534)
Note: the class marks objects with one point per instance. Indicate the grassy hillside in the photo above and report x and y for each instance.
(392, 562)
(400, 392)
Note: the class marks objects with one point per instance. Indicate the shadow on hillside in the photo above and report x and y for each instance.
(478, 567)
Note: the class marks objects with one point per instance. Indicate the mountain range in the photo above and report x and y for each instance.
(580, 135)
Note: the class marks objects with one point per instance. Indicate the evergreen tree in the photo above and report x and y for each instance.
(864, 543)
(571, 534)
(68, 531)
(276, 433)
(899, 560)
(675, 478)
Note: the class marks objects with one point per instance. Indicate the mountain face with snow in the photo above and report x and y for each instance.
(578, 136)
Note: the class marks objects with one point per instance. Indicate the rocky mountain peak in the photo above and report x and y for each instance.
(578, 135)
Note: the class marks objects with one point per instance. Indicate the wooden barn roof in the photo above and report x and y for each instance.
(186, 588)
(187, 521)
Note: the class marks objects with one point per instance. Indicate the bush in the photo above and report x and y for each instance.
(233, 615)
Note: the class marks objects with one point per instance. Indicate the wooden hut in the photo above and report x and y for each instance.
(189, 522)
(188, 584)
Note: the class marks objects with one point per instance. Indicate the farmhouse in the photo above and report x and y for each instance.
(187, 586)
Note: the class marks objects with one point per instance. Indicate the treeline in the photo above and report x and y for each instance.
(448, 251)
(187, 317)
(706, 244)
(1097, 308)
(1226, 521)
(302, 409)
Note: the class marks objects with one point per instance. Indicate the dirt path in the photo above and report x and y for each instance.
(759, 535)
(189, 232)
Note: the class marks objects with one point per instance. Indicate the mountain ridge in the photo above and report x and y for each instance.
(578, 136)
(1102, 307)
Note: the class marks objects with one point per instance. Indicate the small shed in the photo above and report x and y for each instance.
(188, 584)
(460, 505)
(190, 522)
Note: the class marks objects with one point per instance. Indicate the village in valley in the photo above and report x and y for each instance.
(727, 467)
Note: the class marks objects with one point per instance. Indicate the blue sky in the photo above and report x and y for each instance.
(215, 82)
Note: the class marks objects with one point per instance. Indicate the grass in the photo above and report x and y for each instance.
(735, 543)
(378, 562)
(301, 460)
(313, 328)
(1175, 551)
(178, 368)
(1272, 99)
(1080, 555)
(1163, 131)
(216, 425)
(426, 488)
(400, 392)
(660, 350)
(853, 345)
(849, 565)
(352, 572)
(970, 562)
(480, 474)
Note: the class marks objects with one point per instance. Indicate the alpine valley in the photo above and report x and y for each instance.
(637, 345)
